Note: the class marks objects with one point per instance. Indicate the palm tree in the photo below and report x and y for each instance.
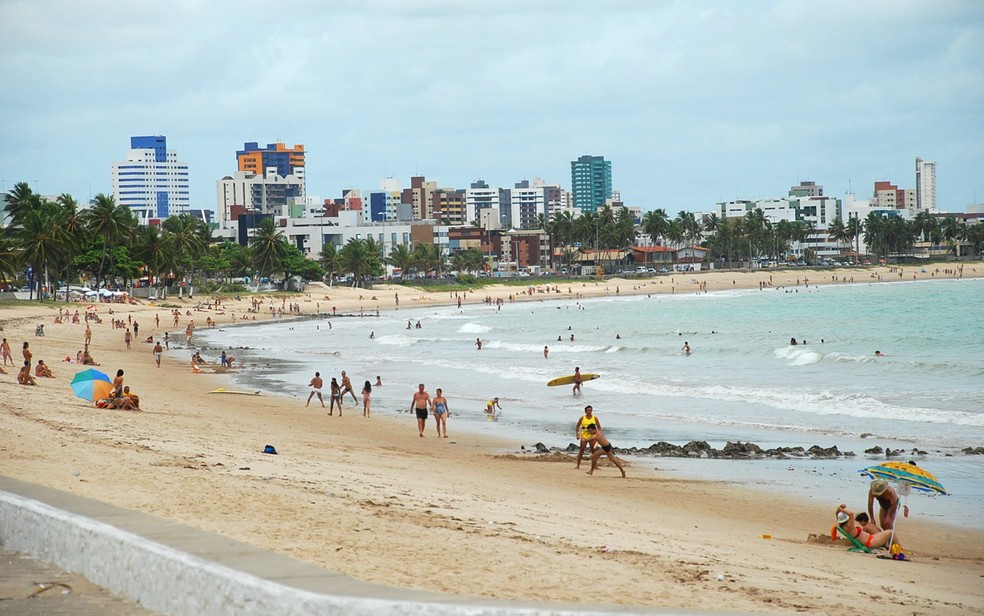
(186, 236)
(156, 251)
(328, 259)
(951, 231)
(269, 247)
(655, 224)
(470, 260)
(402, 258)
(18, 201)
(838, 232)
(71, 223)
(360, 259)
(854, 230)
(109, 222)
(39, 241)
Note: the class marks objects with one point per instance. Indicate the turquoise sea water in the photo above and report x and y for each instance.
(743, 381)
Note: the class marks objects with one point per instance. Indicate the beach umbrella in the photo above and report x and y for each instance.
(91, 385)
(899, 472)
(907, 477)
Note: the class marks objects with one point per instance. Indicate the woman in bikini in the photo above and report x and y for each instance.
(336, 397)
(847, 522)
(366, 398)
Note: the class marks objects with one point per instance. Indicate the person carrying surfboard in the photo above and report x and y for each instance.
(583, 435)
(577, 380)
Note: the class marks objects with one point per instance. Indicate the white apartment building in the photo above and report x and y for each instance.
(480, 197)
(151, 181)
(818, 211)
(925, 186)
(265, 194)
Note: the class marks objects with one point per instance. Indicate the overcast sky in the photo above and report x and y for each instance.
(693, 102)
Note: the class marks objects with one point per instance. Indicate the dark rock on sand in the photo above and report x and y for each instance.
(973, 451)
(541, 448)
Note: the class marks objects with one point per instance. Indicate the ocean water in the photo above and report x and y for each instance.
(742, 381)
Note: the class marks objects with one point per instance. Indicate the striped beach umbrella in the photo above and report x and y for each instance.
(91, 385)
(898, 472)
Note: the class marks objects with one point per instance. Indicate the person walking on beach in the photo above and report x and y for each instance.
(420, 404)
(366, 398)
(336, 398)
(439, 405)
(5, 350)
(347, 387)
(316, 384)
(581, 432)
(605, 447)
(157, 353)
(577, 380)
(127, 338)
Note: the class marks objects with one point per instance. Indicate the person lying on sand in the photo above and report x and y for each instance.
(848, 522)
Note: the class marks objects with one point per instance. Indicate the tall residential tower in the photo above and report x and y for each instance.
(925, 185)
(151, 181)
(591, 182)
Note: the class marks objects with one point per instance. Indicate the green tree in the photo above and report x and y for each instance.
(39, 241)
(329, 261)
(359, 259)
(269, 247)
(111, 224)
(402, 258)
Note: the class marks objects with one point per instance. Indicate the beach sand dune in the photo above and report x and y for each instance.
(463, 515)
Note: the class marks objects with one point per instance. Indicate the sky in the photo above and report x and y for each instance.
(694, 102)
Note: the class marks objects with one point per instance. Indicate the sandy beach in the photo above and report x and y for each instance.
(463, 515)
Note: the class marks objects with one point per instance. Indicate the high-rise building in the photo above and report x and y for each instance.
(285, 161)
(591, 182)
(925, 185)
(151, 181)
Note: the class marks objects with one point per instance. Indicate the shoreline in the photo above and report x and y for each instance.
(360, 496)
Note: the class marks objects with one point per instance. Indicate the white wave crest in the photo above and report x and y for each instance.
(474, 328)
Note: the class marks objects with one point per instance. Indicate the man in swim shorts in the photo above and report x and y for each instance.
(157, 353)
(605, 447)
(316, 384)
(490, 407)
(577, 380)
(347, 387)
(420, 404)
(581, 432)
(439, 405)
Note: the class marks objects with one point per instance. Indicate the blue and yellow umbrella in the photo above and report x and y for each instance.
(91, 385)
(899, 472)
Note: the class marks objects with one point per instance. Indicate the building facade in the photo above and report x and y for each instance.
(285, 161)
(591, 182)
(151, 181)
(925, 185)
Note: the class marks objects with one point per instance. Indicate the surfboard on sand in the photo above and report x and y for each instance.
(223, 390)
(569, 379)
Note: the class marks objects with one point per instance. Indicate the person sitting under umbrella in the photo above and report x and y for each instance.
(848, 523)
(888, 503)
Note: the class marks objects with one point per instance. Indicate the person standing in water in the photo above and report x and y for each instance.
(577, 380)
(366, 398)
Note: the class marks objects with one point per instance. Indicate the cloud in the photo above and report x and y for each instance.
(694, 102)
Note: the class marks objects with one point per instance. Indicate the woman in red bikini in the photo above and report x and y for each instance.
(846, 520)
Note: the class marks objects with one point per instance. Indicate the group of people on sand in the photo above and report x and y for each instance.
(28, 372)
(862, 527)
(338, 391)
(120, 397)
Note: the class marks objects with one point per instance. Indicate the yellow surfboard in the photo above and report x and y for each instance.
(223, 390)
(569, 379)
